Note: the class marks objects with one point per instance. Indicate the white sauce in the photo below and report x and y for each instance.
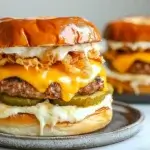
(115, 45)
(50, 114)
(60, 51)
(135, 80)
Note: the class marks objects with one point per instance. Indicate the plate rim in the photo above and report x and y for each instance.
(86, 142)
(132, 98)
(117, 103)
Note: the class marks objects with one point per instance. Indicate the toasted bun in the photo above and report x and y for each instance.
(125, 87)
(25, 124)
(46, 31)
(131, 29)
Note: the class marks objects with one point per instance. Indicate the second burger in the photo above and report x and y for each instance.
(128, 54)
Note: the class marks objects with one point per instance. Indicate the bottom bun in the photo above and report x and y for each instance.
(125, 87)
(26, 124)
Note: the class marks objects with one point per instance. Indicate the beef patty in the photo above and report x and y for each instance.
(19, 88)
(139, 67)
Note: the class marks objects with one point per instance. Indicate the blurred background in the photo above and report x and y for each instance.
(98, 11)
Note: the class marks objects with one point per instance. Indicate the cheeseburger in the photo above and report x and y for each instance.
(52, 80)
(128, 54)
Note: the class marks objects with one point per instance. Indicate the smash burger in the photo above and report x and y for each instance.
(52, 80)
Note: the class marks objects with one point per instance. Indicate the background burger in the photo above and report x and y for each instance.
(52, 80)
(128, 54)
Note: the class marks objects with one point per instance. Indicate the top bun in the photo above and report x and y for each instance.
(129, 29)
(30, 32)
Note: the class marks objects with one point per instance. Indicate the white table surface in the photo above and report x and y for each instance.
(141, 141)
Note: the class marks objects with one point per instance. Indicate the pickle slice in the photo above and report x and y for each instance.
(79, 100)
(18, 101)
(87, 100)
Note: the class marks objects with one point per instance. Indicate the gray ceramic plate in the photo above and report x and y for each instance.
(126, 123)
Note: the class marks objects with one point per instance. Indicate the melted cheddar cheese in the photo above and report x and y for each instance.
(41, 79)
(124, 61)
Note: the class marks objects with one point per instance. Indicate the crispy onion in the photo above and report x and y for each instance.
(73, 61)
(26, 62)
(76, 61)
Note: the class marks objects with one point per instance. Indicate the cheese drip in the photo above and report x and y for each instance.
(40, 79)
(48, 114)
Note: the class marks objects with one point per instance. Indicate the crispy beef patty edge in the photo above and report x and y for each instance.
(19, 88)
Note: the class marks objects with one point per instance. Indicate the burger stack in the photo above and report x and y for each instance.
(52, 80)
(128, 54)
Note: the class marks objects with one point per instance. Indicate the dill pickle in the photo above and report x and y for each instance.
(18, 101)
(87, 100)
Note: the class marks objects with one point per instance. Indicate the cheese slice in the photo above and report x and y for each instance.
(124, 61)
(41, 79)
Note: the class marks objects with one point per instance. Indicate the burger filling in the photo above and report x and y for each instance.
(134, 80)
(56, 84)
(129, 62)
(49, 114)
(19, 88)
(139, 67)
(116, 45)
(73, 57)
